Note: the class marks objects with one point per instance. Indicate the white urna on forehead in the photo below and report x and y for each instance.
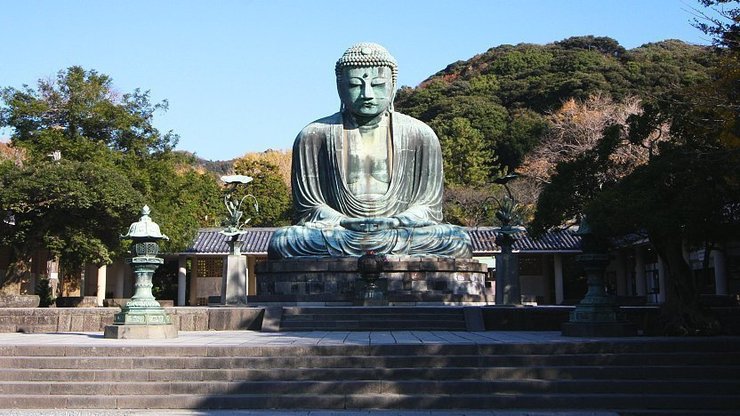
(366, 55)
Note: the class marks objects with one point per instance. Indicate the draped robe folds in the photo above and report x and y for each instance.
(322, 198)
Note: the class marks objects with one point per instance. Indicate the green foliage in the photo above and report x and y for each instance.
(74, 209)
(183, 199)
(273, 195)
(113, 161)
(724, 27)
(79, 113)
(686, 193)
(164, 282)
(524, 130)
(464, 153)
(43, 291)
(507, 91)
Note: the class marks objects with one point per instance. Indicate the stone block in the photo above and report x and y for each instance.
(418, 276)
(140, 331)
(401, 266)
(200, 322)
(128, 389)
(77, 323)
(91, 402)
(19, 301)
(36, 328)
(106, 319)
(91, 323)
(64, 323)
(184, 322)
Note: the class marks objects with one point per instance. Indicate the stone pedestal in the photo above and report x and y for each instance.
(405, 280)
(598, 314)
(234, 284)
(508, 289)
(140, 331)
(143, 316)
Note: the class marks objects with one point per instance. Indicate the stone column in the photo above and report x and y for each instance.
(102, 281)
(621, 273)
(194, 282)
(52, 270)
(508, 290)
(83, 272)
(181, 280)
(120, 281)
(640, 271)
(234, 280)
(661, 280)
(720, 271)
(558, 268)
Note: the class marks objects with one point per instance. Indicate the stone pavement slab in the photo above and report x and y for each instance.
(254, 338)
(47, 412)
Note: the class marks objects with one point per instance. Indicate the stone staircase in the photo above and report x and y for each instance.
(374, 319)
(667, 377)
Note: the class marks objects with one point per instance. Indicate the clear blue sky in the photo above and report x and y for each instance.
(244, 76)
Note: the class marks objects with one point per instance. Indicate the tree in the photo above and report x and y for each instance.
(466, 159)
(110, 161)
(724, 27)
(577, 127)
(281, 159)
(507, 92)
(73, 209)
(686, 193)
(273, 195)
(79, 113)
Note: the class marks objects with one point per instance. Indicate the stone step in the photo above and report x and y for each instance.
(375, 401)
(443, 387)
(685, 360)
(658, 373)
(358, 325)
(693, 374)
(668, 346)
(375, 311)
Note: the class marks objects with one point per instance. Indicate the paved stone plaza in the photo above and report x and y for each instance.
(249, 338)
(298, 413)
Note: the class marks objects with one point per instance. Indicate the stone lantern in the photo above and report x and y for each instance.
(143, 316)
(597, 314)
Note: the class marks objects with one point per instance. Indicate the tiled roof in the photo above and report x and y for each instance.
(211, 241)
(484, 241)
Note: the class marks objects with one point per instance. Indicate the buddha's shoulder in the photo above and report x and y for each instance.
(322, 125)
(404, 120)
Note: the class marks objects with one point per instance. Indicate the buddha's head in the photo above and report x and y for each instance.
(366, 79)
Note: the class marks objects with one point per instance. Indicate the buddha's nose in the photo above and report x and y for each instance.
(367, 92)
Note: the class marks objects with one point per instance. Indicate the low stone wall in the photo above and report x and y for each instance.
(551, 318)
(405, 280)
(95, 319)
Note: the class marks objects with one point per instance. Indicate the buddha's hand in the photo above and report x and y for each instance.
(368, 225)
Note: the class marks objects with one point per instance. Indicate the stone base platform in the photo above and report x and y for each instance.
(405, 280)
(140, 331)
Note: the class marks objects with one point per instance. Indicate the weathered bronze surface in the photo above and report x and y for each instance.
(368, 178)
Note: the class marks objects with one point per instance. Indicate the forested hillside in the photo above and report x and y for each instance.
(500, 100)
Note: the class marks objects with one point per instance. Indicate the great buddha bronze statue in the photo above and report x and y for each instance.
(368, 179)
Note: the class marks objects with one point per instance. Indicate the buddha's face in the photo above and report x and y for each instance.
(366, 91)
